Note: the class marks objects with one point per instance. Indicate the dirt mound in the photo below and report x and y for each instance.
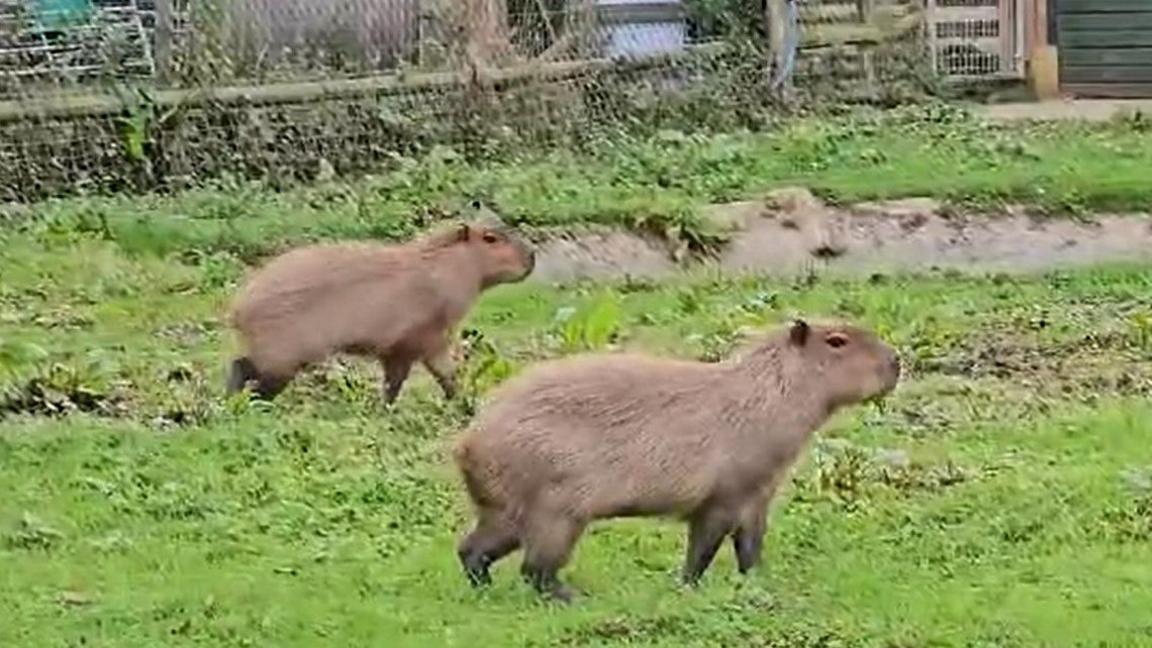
(791, 232)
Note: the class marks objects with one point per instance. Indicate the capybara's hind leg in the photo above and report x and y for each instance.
(241, 372)
(396, 370)
(707, 529)
(494, 537)
(548, 542)
(439, 364)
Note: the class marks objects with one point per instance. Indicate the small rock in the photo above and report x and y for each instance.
(792, 199)
(906, 208)
(325, 171)
(74, 598)
(913, 222)
(734, 216)
(893, 458)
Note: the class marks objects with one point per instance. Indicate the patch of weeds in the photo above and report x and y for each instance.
(175, 500)
(188, 398)
(1131, 521)
(848, 474)
(60, 391)
(484, 367)
(218, 269)
(344, 379)
(32, 533)
(61, 317)
(1093, 363)
(715, 346)
(188, 333)
(626, 629)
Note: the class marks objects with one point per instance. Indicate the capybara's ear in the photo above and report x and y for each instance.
(464, 233)
(799, 333)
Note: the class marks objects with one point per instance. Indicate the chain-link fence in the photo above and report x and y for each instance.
(141, 94)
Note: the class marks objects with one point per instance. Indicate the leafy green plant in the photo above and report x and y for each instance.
(591, 327)
(1141, 325)
(484, 367)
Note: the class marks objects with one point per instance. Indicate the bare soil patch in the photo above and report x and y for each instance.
(792, 232)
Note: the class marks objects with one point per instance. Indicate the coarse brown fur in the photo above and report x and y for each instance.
(601, 436)
(395, 303)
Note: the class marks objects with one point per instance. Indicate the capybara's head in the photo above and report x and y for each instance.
(853, 364)
(504, 256)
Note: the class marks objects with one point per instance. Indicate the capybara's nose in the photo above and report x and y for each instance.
(894, 364)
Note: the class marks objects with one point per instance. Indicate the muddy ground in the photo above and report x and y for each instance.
(791, 232)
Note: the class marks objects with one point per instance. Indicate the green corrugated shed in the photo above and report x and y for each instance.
(1105, 46)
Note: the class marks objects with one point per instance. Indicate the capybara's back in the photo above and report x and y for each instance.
(600, 436)
(396, 303)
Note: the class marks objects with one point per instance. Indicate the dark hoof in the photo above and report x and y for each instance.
(561, 594)
(692, 582)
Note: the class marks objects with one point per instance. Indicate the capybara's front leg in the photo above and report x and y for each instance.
(396, 369)
(439, 363)
(269, 386)
(548, 543)
(493, 538)
(707, 529)
(748, 538)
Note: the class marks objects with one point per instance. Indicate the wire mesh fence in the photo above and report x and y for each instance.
(105, 95)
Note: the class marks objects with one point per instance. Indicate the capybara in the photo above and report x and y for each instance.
(620, 435)
(395, 303)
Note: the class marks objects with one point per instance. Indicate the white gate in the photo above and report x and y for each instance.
(977, 39)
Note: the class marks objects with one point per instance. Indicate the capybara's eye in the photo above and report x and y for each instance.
(836, 340)
(489, 237)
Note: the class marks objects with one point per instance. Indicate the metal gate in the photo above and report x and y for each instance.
(977, 39)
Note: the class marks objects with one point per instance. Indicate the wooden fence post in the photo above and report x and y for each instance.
(1044, 62)
(162, 45)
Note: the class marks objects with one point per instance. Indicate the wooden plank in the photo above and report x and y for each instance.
(1109, 90)
(1105, 22)
(1100, 6)
(1075, 74)
(1089, 57)
(639, 13)
(1104, 39)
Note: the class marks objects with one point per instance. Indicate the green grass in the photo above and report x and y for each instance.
(1001, 498)
(656, 185)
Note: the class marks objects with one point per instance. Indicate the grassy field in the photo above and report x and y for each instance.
(934, 150)
(1002, 497)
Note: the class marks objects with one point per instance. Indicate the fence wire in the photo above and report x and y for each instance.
(142, 94)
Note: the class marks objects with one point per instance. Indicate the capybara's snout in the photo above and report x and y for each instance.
(890, 374)
(528, 255)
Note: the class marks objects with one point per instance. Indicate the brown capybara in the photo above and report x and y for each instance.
(602, 436)
(395, 303)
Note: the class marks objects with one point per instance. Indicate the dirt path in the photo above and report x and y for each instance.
(791, 232)
(1079, 109)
